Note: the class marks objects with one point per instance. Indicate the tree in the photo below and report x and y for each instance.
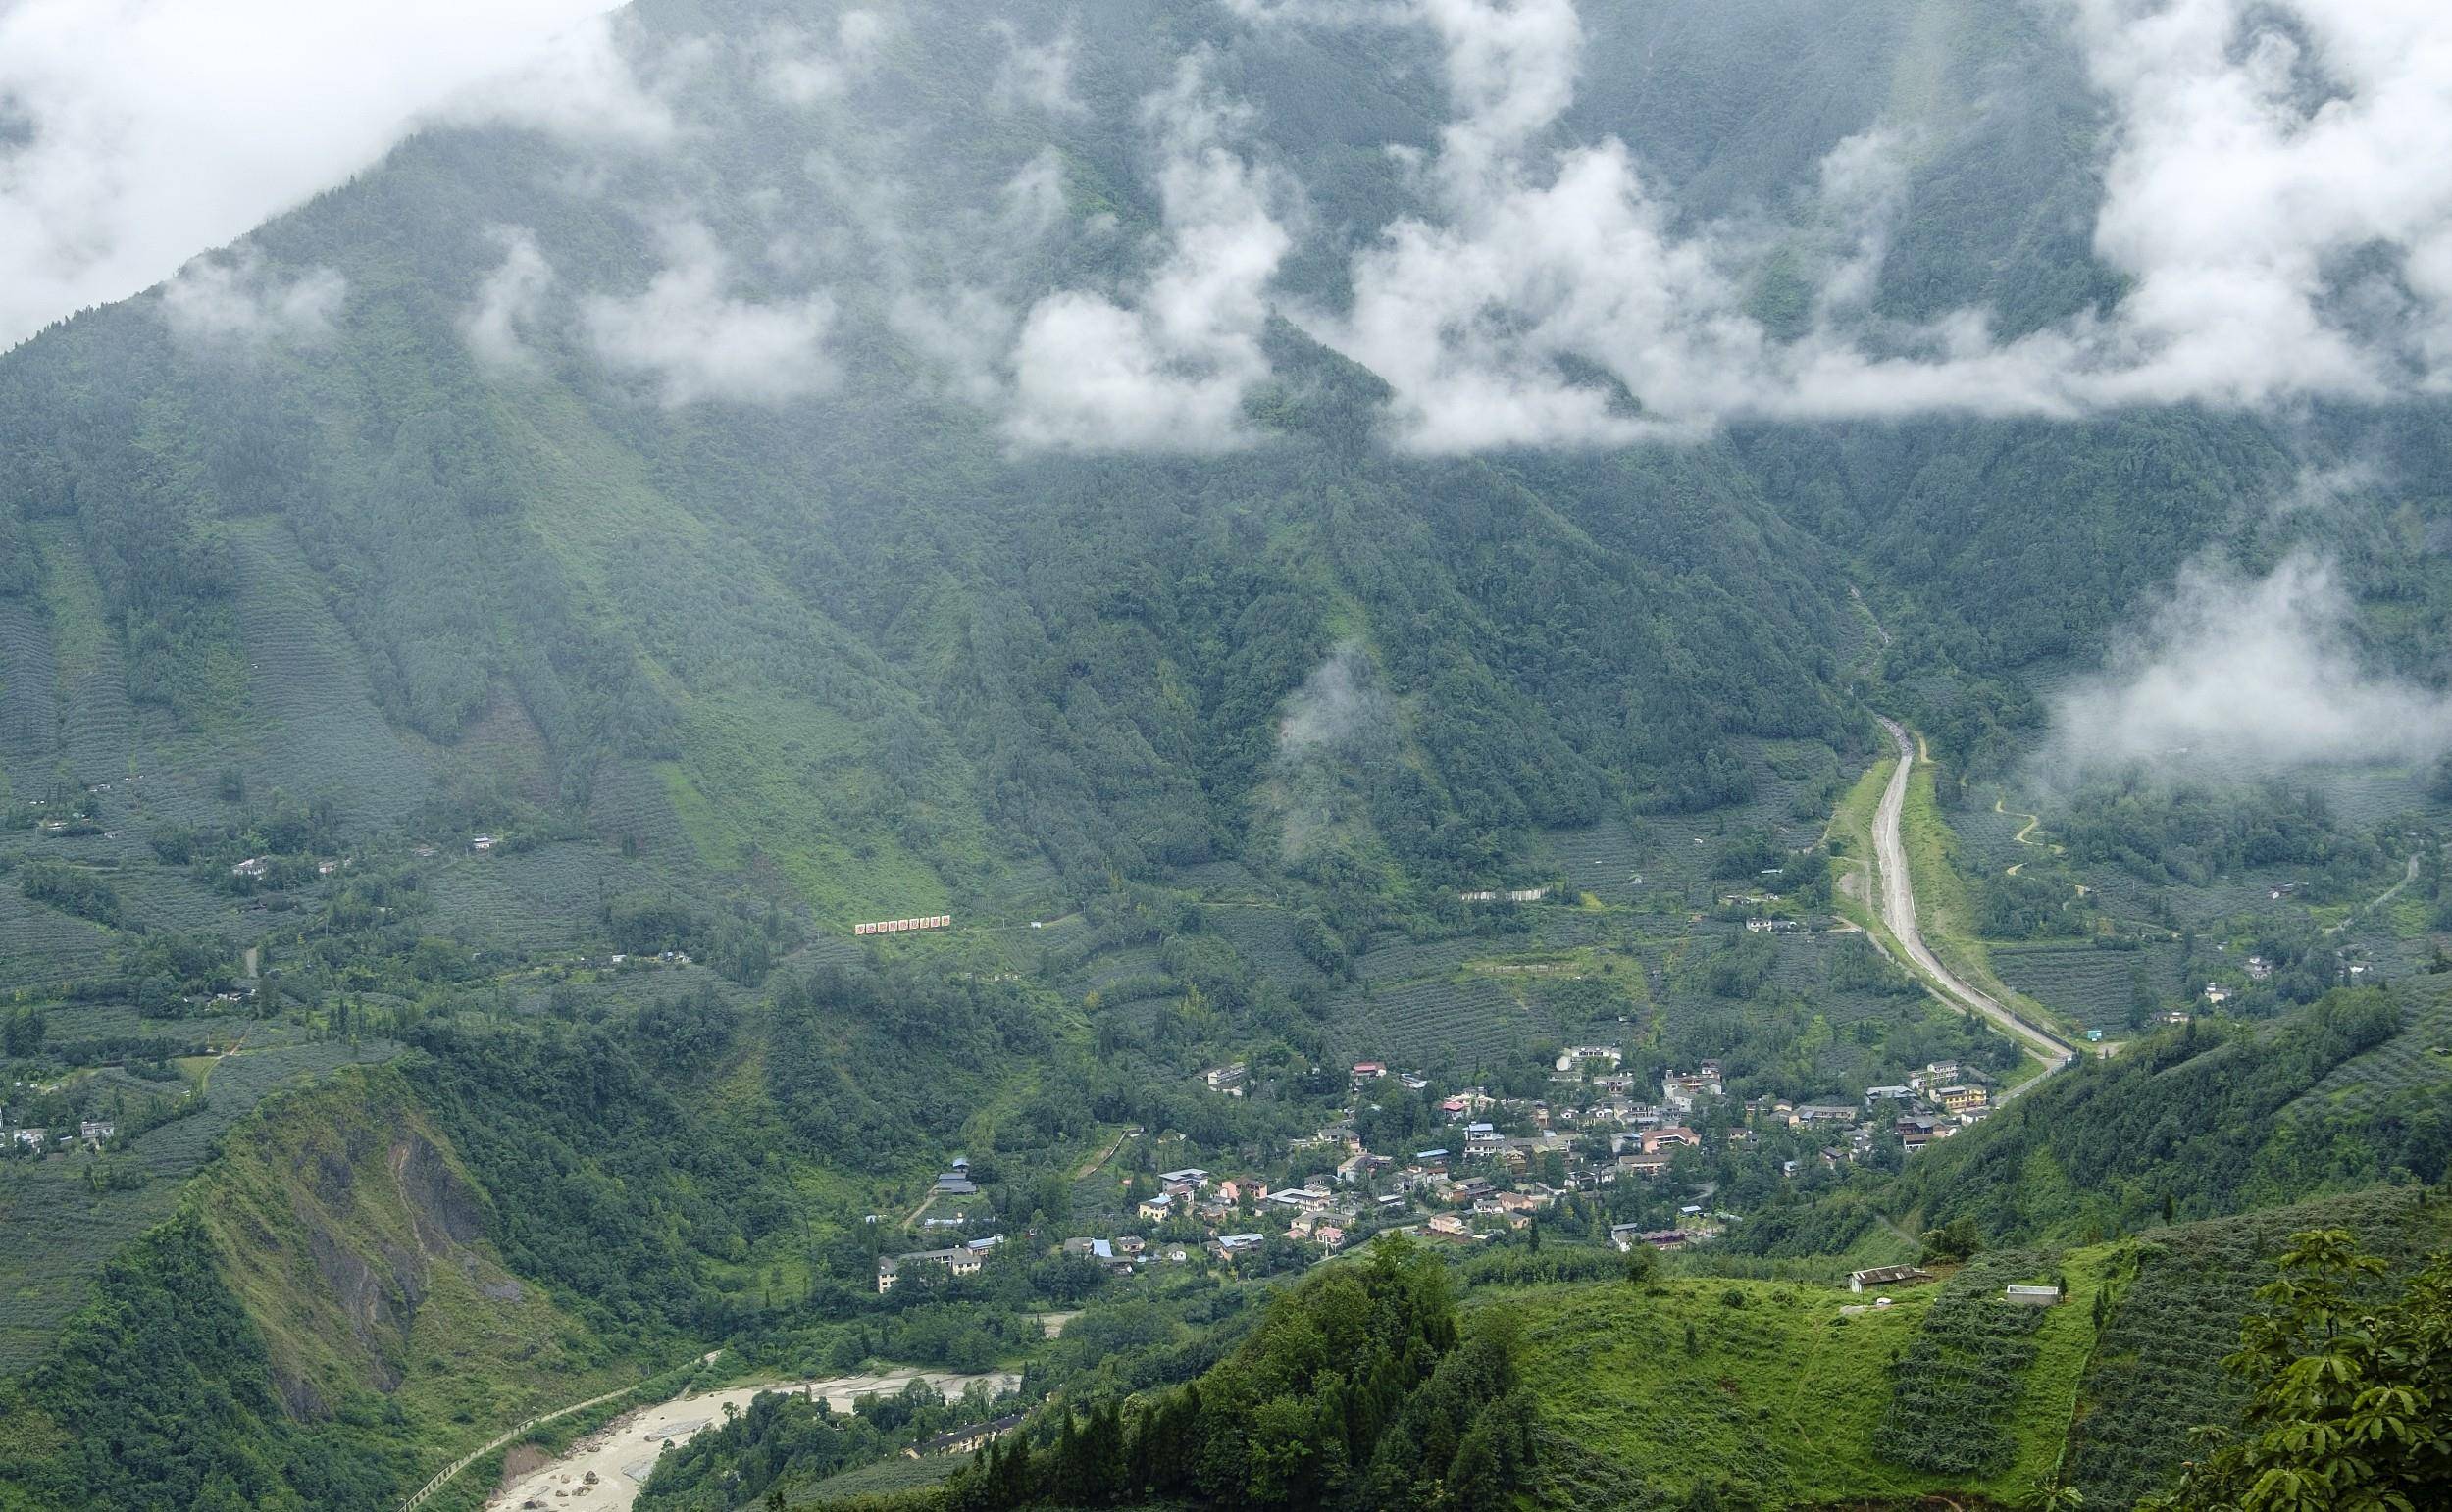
(2353, 1401)
(1955, 1240)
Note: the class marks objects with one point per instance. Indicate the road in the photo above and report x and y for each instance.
(2409, 874)
(1898, 910)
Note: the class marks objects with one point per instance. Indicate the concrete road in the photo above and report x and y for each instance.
(1898, 910)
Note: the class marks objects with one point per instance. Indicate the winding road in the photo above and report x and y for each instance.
(1898, 910)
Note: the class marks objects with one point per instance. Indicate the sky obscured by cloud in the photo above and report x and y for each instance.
(2276, 193)
(136, 133)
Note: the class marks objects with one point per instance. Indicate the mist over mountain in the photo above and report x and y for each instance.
(1337, 575)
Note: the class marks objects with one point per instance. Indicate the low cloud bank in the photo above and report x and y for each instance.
(2276, 192)
(2238, 674)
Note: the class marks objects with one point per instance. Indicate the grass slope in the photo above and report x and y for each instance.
(353, 1236)
(62, 1228)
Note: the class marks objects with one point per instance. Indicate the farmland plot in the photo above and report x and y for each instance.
(312, 708)
(540, 899)
(2418, 1061)
(28, 711)
(42, 947)
(1400, 960)
(2093, 986)
(1468, 1023)
(1264, 937)
(2157, 1372)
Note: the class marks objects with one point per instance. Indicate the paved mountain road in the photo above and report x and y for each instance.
(1898, 910)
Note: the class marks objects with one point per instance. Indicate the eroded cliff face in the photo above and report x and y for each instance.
(355, 1237)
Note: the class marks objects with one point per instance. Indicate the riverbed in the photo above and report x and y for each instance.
(621, 1456)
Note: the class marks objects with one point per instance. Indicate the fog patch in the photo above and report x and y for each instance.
(700, 341)
(508, 303)
(1339, 721)
(803, 68)
(2246, 676)
(236, 300)
(1038, 75)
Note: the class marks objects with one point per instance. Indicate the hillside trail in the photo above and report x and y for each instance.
(2033, 823)
(1092, 1167)
(2409, 874)
(1897, 902)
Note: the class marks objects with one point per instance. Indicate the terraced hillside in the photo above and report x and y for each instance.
(1795, 1394)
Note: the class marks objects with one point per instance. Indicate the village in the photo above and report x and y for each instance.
(1609, 1156)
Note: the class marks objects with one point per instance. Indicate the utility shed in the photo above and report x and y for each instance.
(1887, 1276)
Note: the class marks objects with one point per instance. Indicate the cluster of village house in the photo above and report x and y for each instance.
(93, 1131)
(1450, 1192)
(1933, 1104)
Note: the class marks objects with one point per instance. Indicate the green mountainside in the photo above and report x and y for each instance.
(436, 795)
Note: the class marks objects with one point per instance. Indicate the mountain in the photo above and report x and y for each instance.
(1294, 538)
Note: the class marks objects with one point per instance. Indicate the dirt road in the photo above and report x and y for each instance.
(1091, 1168)
(2409, 874)
(1898, 910)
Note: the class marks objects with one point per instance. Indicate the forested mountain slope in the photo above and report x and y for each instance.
(2191, 1121)
(801, 465)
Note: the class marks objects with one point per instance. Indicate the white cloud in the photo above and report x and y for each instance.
(234, 300)
(2243, 675)
(1333, 725)
(509, 304)
(1168, 369)
(154, 129)
(700, 342)
(1038, 75)
(802, 69)
(2246, 170)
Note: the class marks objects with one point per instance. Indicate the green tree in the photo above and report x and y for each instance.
(1955, 1240)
